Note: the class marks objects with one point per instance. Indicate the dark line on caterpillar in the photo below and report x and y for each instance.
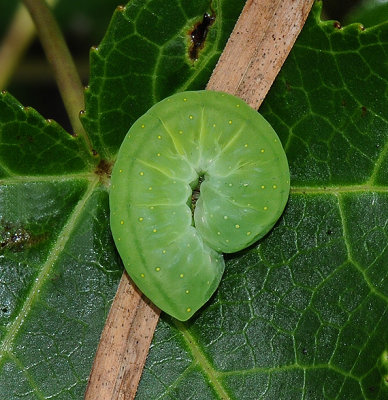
(234, 203)
(181, 152)
(235, 136)
(231, 141)
(250, 164)
(200, 138)
(163, 172)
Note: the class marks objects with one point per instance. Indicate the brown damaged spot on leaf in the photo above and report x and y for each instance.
(337, 25)
(17, 238)
(199, 33)
(104, 171)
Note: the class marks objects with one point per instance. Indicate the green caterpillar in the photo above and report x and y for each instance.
(207, 143)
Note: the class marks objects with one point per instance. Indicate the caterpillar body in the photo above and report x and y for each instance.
(213, 144)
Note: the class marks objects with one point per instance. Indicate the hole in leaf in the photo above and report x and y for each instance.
(199, 33)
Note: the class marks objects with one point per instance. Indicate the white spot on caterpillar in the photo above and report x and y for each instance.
(122, 222)
(191, 117)
(121, 171)
(159, 137)
(218, 233)
(150, 188)
(262, 186)
(230, 184)
(238, 105)
(274, 186)
(265, 208)
(225, 217)
(230, 122)
(142, 275)
(181, 276)
(141, 219)
(141, 173)
(154, 230)
(262, 150)
(214, 125)
(187, 291)
(185, 99)
(237, 226)
(143, 126)
(188, 309)
(245, 185)
(164, 251)
(246, 145)
(248, 233)
(158, 154)
(180, 132)
(157, 269)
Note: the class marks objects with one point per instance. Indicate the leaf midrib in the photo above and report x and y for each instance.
(12, 180)
(59, 245)
(201, 360)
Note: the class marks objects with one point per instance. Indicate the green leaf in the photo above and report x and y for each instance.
(144, 57)
(369, 13)
(301, 314)
(59, 268)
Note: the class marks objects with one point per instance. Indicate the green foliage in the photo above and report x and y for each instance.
(301, 314)
(370, 13)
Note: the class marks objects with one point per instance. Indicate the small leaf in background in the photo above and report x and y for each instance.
(370, 12)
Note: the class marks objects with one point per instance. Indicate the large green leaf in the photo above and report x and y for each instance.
(301, 314)
(59, 268)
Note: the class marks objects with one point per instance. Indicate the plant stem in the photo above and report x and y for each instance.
(18, 37)
(58, 55)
